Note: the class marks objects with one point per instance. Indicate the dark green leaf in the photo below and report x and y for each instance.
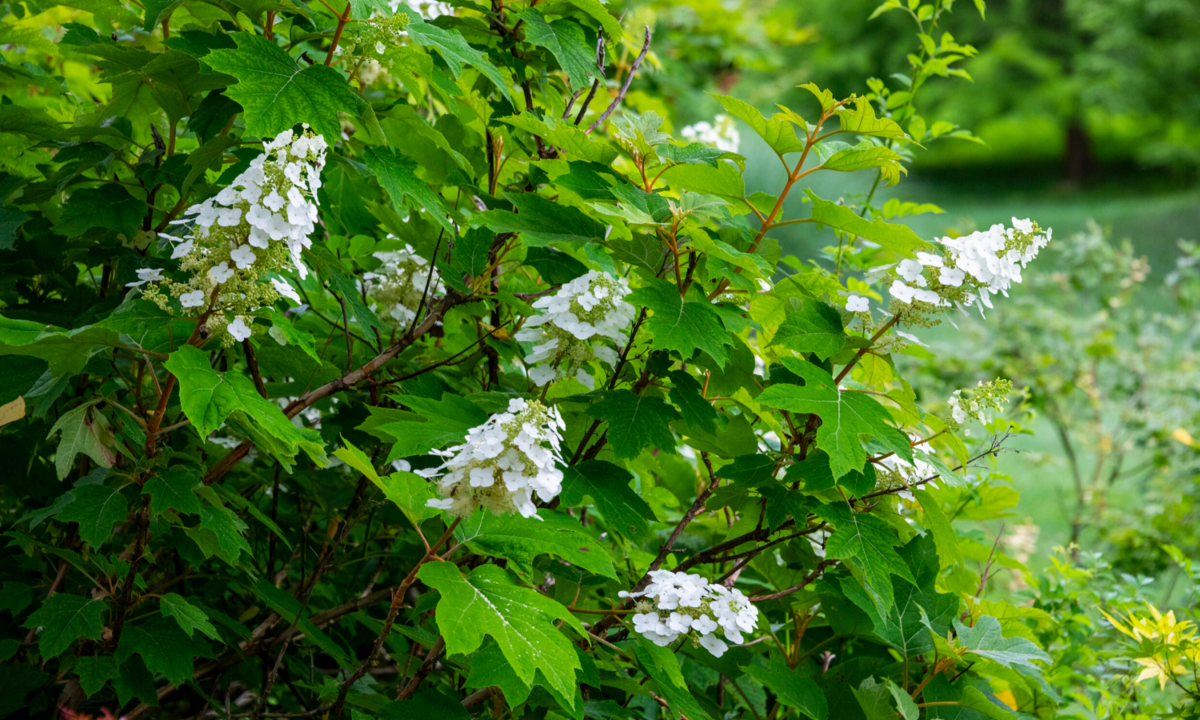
(623, 509)
(64, 618)
(792, 689)
(110, 207)
(635, 422)
(523, 539)
(685, 325)
(541, 221)
(398, 175)
(97, 508)
(172, 490)
(278, 93)
(565, 40)
(686, 393)
(810, 326)
(870, 544)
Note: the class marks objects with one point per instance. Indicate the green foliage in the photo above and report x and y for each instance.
(458, 363)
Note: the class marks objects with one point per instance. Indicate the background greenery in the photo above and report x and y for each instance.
(1123, 74)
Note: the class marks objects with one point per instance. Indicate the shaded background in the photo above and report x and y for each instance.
(1084, 111)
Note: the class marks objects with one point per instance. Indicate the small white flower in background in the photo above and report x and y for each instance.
(857, 303)
(286, 290)
(146, 275)
(902, 292)
(192, 299)
(680, 604)
(504, 462)
(238, 329)
(589, 306)
(220, 273)
(721, 133)
(398, 285)
(243, 257)
(951, 276)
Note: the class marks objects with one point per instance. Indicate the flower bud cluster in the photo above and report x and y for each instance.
(590, 306)
(503, 463)
(373, 37)
(256, 226)
(721, 133)
(975, 403)
(398, 285)
(680, 604)
(972, 267)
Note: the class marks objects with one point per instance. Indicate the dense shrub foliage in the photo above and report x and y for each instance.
(384, 361)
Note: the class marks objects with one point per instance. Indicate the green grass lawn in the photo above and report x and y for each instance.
(1153, 214)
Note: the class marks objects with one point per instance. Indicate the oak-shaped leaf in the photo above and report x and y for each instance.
(870, 545)
(986, 639)
(208, 398)
(845, 415)
(523, 539)
(635, 422)
(64, 618)
(489, 601)
(624, 511)
(277, 92)
(683, 323)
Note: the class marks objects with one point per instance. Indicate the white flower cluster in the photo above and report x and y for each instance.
(503, 463)
(681, 604)
(257, 225)
(976, 402)
(721, 133)
(590, 306)
(398, 285)
(274, 199)
(974, 266)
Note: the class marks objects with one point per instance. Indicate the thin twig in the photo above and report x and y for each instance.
(624, 86)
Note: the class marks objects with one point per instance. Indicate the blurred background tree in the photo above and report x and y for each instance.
(1086, 114)
(1070, 85)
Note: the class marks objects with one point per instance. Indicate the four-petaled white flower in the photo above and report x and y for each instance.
(220, 273)
(857, 303)
(238, 329)
(192, 299)
(243, 257)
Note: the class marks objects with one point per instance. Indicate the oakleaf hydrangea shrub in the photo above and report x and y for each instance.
(395, 361)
